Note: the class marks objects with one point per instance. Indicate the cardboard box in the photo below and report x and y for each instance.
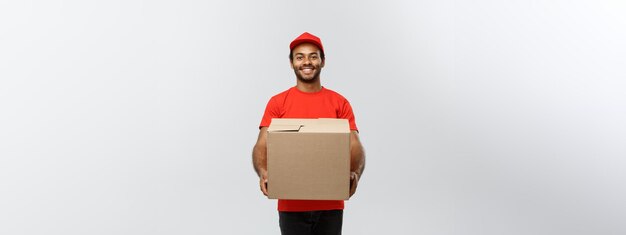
(308, 159)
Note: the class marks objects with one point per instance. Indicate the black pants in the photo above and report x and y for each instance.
(311, 222)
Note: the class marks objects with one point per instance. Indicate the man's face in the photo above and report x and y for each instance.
(307, 63)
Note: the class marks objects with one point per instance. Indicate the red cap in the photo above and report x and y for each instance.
(306, 37)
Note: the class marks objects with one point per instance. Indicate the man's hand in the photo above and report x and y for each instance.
(263, 182)
(357, 161)
(354, 181)
(259, 159)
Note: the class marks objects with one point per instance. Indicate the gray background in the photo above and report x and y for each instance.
(478, 117)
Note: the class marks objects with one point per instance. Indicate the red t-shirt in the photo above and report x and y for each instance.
(294, 103)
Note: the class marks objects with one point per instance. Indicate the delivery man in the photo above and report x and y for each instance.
(308, 99)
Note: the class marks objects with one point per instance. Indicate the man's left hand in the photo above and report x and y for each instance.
(354, 181)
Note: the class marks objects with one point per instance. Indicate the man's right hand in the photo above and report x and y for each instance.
(263, 182)
(259, 159)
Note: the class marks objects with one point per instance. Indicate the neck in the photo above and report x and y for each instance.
(309, 87)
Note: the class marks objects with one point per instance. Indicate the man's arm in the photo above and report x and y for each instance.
(357, 161)
(259, 159)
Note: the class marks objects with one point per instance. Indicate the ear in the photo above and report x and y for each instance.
(323, 63)
(291, 64)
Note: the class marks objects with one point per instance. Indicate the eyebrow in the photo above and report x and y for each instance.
(312, 53)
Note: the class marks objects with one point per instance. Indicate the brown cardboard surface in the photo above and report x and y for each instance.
(308, 159)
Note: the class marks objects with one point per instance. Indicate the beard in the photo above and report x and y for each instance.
(310, 78)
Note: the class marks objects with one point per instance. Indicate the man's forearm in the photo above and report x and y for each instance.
(259, 159)
(357, 163)
(357, 155)
(259, 153)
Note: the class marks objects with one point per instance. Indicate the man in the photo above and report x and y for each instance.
(309, 99)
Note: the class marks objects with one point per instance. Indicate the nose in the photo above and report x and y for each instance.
(306, 61)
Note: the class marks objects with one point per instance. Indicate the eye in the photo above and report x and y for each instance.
(298, 57)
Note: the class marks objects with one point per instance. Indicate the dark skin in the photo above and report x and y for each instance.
(307, 66)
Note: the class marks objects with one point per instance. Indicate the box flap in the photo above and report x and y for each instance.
(284, 128)
(322, 125)
(328, 125)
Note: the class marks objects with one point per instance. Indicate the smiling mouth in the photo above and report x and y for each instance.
(307, 70)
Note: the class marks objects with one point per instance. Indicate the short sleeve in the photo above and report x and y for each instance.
(346, 113)
(271, 111)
